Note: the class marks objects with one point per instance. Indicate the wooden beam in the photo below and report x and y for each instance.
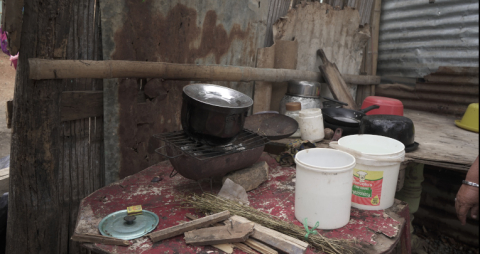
(274, 238)
(335, 82)
(91, 238)
(62, 69)
(81, 104)
(188, 226)
(218, 235)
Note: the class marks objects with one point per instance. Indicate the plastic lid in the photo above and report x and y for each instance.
(293, 106)
(114, 225)
(379, 100)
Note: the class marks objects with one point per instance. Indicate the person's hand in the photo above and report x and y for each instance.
(467, 200)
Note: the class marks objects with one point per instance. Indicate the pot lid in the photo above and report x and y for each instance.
(219, 96)
(116, 225)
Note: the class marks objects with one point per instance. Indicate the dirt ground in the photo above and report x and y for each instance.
(426, 241)
(7, 82)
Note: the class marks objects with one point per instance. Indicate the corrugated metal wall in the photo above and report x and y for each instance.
(416, 37)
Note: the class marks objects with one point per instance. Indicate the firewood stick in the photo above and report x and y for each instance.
(239, 246)
(91, 238)
(191, 225)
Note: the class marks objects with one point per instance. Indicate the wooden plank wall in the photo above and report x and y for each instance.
(54, 164)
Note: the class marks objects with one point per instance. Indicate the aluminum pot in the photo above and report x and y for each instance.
(213, 114)
(304, 89)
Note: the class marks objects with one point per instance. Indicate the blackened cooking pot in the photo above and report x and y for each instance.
(397, 127)
(212, 114)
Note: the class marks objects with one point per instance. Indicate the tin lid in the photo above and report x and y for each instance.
(121, 226)
(293, 106)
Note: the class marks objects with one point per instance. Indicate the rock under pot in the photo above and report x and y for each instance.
(213, 114)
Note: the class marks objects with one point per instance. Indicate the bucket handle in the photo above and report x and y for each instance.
(357, 154)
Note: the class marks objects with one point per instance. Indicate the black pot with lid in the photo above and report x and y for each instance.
(397, 127)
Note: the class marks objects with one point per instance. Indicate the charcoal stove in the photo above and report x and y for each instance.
(197, 161)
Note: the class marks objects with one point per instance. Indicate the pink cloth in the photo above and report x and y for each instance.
(14, 60)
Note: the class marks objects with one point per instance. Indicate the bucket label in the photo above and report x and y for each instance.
(367, 187)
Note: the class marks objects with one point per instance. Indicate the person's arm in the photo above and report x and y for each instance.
(467, 196)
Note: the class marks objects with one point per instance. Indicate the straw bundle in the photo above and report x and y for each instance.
(211, 203)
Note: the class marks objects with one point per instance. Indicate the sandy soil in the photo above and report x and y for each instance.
(7, 82)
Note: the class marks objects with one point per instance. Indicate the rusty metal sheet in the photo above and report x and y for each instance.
(417, 37)
(320, 26)
(179, 31)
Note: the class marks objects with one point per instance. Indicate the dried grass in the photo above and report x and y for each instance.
(211, 203)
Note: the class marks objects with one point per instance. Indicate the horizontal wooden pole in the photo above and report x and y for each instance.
(64, 69)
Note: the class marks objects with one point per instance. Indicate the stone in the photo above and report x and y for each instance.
(328, 133)
(251, 177)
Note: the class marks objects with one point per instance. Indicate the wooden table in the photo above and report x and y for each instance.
(442, 143)
(380, 230)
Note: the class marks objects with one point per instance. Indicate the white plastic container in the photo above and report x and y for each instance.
(310, 122)
(293, 108)
(323, 187)
(376, 173)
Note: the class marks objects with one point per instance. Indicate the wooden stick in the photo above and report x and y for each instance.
(239, 246)
(275, 239)
(63, 69)
(335, 82)
(262, 248)
(91, 238)
(244, 248)
(218, 235)
(188, 226)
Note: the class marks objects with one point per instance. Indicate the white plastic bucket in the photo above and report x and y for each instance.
(376, 172)
(323, 187)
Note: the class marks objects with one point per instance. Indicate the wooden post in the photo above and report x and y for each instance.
(53, 165)
(375, 32)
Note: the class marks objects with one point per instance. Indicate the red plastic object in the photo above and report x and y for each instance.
(388, 106)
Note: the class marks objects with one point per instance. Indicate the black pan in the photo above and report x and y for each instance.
(271, 125)
(344, 116)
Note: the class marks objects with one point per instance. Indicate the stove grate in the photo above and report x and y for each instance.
(183, 144)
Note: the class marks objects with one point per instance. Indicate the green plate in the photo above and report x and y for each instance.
(113, 225)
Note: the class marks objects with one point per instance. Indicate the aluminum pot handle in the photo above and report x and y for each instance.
(170, 157)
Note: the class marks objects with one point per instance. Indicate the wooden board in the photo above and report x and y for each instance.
(81, 104)
(187, 226)
(262, 248)
(274, 238)
(218, 235)
(335, 82)
(282, 55)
